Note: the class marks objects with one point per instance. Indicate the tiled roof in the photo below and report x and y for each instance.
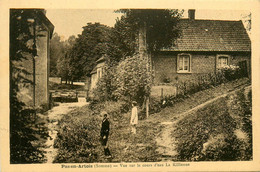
(211, 35)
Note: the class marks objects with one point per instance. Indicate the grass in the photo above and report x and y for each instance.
(78, 138)
(214, 132)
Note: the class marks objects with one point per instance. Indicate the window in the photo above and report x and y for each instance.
(184, 63)
(222, 61)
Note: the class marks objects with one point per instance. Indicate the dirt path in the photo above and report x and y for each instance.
(165, 142)
(54, 115)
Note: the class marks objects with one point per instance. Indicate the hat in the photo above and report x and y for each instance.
(103, 113)
(134, 102)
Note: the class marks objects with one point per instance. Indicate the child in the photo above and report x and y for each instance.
(134, 117)
(104, 134)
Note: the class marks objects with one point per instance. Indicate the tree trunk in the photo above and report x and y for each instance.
(142, 47)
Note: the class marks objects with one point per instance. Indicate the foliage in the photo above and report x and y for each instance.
(160, 25)
(28, 135)
(63, 66)
(200, 83)
(27, 130)
(127, 81)
(106, 85)
(78, 137)
(231, 72)
(210, 133)
(90, 45)
(206, 81)
(133, 80)
(56, 52)
(155, 106)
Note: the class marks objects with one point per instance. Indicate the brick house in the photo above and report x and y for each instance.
(37, 93)
(203, 47)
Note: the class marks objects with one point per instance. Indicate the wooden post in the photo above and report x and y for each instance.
(147, 107)
(161, 93)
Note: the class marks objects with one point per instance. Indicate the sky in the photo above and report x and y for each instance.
(69, 22)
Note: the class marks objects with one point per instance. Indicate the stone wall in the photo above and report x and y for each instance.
(41, 72)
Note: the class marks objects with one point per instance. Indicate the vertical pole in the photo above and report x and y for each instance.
(161, 93)
(147, 107)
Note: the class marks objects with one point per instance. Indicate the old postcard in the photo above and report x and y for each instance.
(130, 86)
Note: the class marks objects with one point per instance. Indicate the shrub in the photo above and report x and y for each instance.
(106, 85)
(28, 132)
(133, 80)
(206, 81)
(231, 72)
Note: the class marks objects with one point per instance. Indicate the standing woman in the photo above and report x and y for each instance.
(104, 132)
(134, 117)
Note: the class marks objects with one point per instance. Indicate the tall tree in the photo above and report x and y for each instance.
(90, 45)
(63, 61)
(56, 53)
(151, 29)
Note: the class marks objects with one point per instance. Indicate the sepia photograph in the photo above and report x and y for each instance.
(128, 88)
(130, 85)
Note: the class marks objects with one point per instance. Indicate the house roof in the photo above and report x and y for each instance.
(211, 35)
(94, 70)
(101, 59)
(46, 21)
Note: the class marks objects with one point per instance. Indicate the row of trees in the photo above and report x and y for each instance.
(137, 30)
(75, 58)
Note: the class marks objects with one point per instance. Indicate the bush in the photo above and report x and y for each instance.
(231, 72)
(200, 83)
(28, 132)
(106, 85)
(133, 80)
(206, 81)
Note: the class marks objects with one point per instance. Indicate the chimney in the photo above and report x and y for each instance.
(191, 14)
